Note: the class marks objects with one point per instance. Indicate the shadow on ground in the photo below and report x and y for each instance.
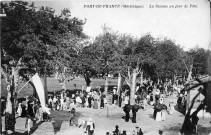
(182, 110)
(175, 129)
(59, 117)
(33, 129)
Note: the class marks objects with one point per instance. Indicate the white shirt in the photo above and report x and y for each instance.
(50, 100)
(126, 99)
(54, 100)
(78, 99)
(91, 125)
(62, 100)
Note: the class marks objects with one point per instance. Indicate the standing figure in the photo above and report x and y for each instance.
(126, 101)
(95, 106)
(54, 103)
(90, 127)
(30, 115)
(134, 110)
(145, 103)
(140, 132)
(102, 102)
(127, 112)
(50, 100)
(158, 112)
(72, 115)
(179, 101)
(114, 97)
(90, 101)
(116, 131)
(105, 102)
(163, 114)
(19, 111)
(171, 108)
(62, 103)
(151, 99)
(120, 99)
(40, 113)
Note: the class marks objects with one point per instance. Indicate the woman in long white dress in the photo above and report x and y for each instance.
(163, 114)
(158, 116)
(171, 109)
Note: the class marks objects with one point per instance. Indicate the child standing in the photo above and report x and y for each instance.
(90, 127)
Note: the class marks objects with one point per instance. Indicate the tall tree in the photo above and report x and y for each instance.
(169, 61)
(136, 58)
(105, 46)
(199, 56)
(29, 39)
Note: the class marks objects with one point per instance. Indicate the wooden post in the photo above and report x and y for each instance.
(106, 85)
(45, 87)
(107, 111)
(28, 125)
(0, 104)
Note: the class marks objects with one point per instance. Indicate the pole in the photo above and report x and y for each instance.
(0, 104)
(107, 111)
(0, 109)
(45, 86)
(45, 79)
(25, 85)
(2, 15)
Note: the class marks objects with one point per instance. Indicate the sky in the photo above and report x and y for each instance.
(187, 23)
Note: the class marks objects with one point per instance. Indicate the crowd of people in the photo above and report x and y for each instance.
(117, 131)
(82, 99)
(147, 94)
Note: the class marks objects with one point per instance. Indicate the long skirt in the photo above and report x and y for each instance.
(171, 111)
(86, 104)
(163, 115)
(158, 116)
(95, 106)
(19, 111)
(102, 103)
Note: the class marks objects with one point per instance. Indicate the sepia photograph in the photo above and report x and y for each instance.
(105, 67)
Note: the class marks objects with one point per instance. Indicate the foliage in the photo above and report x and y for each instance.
(38, 38)
(169, 60)
(199, 57)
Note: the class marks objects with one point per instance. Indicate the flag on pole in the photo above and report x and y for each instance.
(40, 91)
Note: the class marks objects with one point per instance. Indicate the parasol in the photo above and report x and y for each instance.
(163, 106)
(158, 107)
(135, 108)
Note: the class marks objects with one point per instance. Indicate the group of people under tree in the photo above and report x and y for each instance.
(153, 94)
(148, 94)
(66, 101)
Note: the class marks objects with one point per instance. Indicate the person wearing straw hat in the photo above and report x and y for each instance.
(90, 127)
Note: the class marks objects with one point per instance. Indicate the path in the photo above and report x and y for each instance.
(106, 123)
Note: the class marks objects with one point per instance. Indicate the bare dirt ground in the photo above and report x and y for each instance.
(106, 119)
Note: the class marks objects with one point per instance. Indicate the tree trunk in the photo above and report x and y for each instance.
(15, 83)
(45, 87)
(208, 97)
(10, 108)
(190, 74)
(141, 78)
(87, 79)
(133, 87)
(0, 104)
(120, 83)
(62, 80)
(106, 85)
(63, 84)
